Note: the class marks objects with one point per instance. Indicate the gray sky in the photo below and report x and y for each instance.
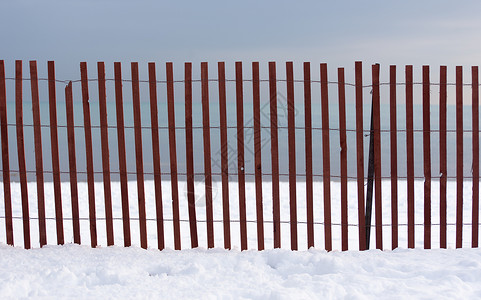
(336, 32)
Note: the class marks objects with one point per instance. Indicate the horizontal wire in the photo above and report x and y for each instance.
(245, 127)
(232, 174)
(232, 221)
(244, 80)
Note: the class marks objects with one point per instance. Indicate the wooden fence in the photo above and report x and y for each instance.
(311, 199)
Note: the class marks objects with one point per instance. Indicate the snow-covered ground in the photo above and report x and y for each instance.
(73, 271)
(234, 214)
(117, 272)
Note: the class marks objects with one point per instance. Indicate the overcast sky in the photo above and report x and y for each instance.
(336, 32)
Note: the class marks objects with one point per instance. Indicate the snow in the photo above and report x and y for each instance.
(116, 272)
(234, 214)
(113, 272)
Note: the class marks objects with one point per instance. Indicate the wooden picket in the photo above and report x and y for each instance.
(54, 149)
(427, 157)
(257, 151)
(122, 159)
(207, 155)
(240, 154)
(154, 119)
(72, 162)
(394, 172)
(276, 207)
(90, 163)
(443, 157)
(410, 154)
(343, 144)
(475, 108)
(291, 136)
(5, 158)
(139, 161)
(21, 152)
(37, 133)
(105, 152)
(459, 157)
(308, 138)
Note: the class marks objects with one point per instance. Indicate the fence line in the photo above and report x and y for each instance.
(362, 207)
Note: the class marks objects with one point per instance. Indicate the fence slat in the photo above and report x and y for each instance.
(377, 150)
(209, 212)
(104, 137)
(21, 152)
(459, 156)
(72, 162)
(37, 134)
(326, 158)
(5, 158)
(427, 157)
(89, 161)
(475, 111)
(139, 161)
(257, 154)
(224, 154)
(276, 208)
(190, 155)
(442, 157)
(308, 141)
(55, 155)
(173, 154)
(343, 156)
(154, 121)
(360, 157)
(410, 154)
(393, 135)
(240, 154)
(122, 159)
(292, 153)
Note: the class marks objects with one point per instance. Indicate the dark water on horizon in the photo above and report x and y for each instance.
(232, 134)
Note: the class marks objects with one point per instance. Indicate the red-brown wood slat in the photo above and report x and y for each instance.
(240, 154)
(72, 162)
(475, 112)
(154, 121)
(394, 179)
(190, 155)
(37, 134)
(276, 208)
(443, 157)
(224, 154)
(21, 153)
(360, 157)
(427, 157)
(459, 156)
(139, 161)
(5, 158)
(343, 156)
(257, 154)
(291, 135)
(173, 155)
(104, 139)
(326, 158)
(54, 149)
(89, 159)
(122, 160)
(377, 156)
(209, 212)
(410, 154)
(308, 142)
